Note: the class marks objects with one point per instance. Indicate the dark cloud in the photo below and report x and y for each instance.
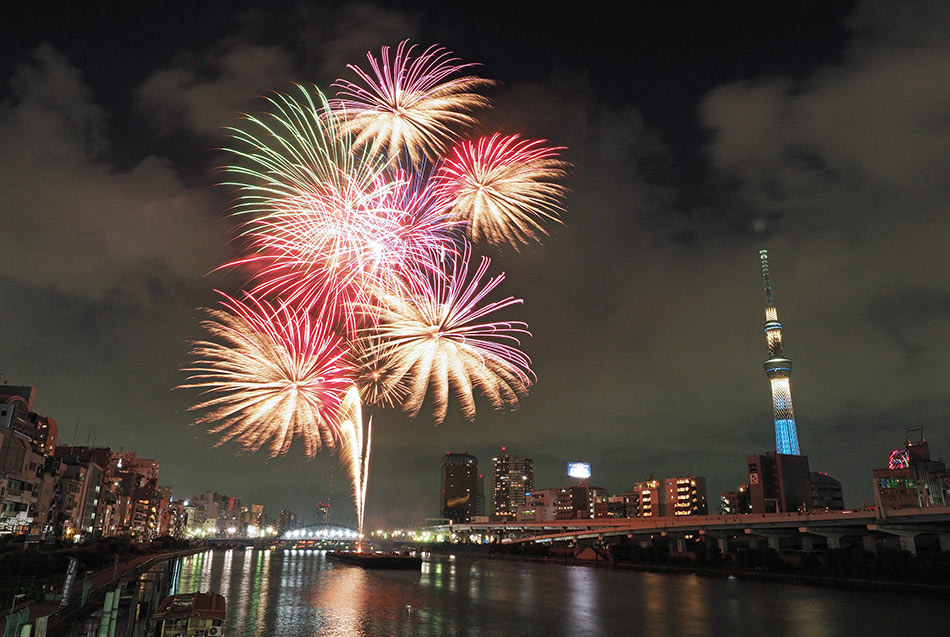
(204, 92)
(646, 305)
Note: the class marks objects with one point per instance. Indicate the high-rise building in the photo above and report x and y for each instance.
(778, 368)
(540, 504)
(779, 483)
(912, 478)
(826, 492)
(286, 521)
(685, 495)
(650, 503)
(323, 512)
(578, 502)
(736, 502)
(25, 484)
(512, 477)
(631, 503)
(16, 412)
(460, 487)
(480, 496)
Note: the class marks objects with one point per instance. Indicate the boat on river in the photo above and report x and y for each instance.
(190, 615)
(378, 560)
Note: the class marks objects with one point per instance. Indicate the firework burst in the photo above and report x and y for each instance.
(358, 245)
(273, 375)
(408, 104)
(432, 337)
(328, 226)
(504, 187)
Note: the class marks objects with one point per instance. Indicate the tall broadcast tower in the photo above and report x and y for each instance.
(778, 368)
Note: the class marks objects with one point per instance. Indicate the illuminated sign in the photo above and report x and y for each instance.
(579, 470)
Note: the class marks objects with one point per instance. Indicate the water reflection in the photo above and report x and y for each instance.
(302, 593)
(583, 594)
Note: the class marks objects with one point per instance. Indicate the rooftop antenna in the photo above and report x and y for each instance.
(764, 255)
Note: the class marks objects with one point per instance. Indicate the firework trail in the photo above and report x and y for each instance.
(273, 375)
(433, 338)
(504, 187)
(356, 451)
(407, 103)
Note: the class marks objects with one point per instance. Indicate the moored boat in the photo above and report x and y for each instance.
(190, 615)
(378, 560)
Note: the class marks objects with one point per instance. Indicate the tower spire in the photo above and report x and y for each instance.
(764, 256)
(778, 368)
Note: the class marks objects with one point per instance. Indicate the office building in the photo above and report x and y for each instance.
(685, 495)
(779, 483)
(460, 487)
(826, 492)
(651, 502)
(736, 502)
(512, 477)
(912, 479)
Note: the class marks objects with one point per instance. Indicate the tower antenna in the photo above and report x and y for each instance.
(764, 256)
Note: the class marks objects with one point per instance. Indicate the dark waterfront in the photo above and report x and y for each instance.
(297, 593)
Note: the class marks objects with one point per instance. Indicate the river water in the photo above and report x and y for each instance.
(295, 593)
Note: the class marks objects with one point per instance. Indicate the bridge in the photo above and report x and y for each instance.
(312, 536)
(320, 536)
(910, 529)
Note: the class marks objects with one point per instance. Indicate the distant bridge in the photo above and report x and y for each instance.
(317, 532)
(312, 536)
(781, 531)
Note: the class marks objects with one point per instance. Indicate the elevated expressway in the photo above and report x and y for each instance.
(780, 531)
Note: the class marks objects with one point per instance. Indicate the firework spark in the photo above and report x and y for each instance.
(274, 375)
(408, 103)
(431, 336)
(327, 225)
(504, 187)
(375, 385)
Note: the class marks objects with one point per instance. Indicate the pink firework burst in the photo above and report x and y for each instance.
(408, 103)
(504, 187)
(327, 226)
(273, 375)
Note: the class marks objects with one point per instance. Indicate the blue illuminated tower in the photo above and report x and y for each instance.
(779, 369)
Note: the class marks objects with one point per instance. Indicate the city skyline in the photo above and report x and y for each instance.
(691, 151)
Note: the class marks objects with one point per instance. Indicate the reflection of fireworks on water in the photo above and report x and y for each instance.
(432, 336)
(408, 103)
(273, 375)
(504, 187)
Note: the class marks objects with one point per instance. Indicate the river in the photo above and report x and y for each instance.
(295, 593)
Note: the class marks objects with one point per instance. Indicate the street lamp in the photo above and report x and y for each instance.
(15, 598)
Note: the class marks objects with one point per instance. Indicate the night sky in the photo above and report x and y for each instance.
(697, 136)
